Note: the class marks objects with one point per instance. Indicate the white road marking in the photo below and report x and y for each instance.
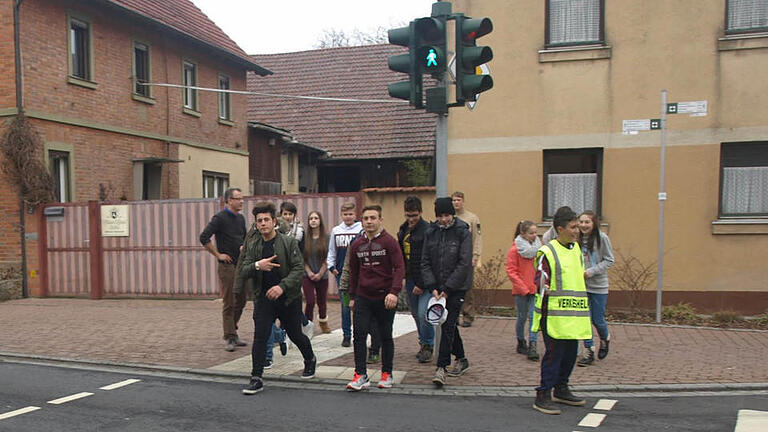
(751, 421)
(70, 398)
(592, 420)
(18, 412)
(605, 404)
(119, 384)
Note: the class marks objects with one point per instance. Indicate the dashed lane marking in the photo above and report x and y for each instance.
(592, 420)
(605, 404)
(18, 412)
(70, 398)
(119, 384)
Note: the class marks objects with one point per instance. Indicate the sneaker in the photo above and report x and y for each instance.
(255, 386)
(522, 347)
(309, 368)
(603, 351)
(373, 357)
(308, 330)
(230, 345)
(533, 355)
(562, 394)
(588, 358)
(459, 367)
(346, 342)
(239, 342)
(543, 402)
(359, 382)
(439, 379)
(268, 364)
(283, 348)
(386, 380)
(426, 356)
(466, 323)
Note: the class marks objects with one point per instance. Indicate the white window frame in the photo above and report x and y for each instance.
(189, 78)
(220, 184)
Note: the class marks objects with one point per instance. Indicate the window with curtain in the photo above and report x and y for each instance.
(574, 22)
(744, 179)
(572, 178)
(746, 16)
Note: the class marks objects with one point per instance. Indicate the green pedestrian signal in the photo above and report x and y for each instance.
(430, 39)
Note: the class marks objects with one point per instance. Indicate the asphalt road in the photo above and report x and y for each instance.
(170, 404)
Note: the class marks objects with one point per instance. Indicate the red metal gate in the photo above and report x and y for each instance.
(161, 257)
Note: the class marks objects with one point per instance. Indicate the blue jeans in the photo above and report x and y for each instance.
(524, 305)
(597, 313)
(276, 335)
(346, 316)
(418, 304)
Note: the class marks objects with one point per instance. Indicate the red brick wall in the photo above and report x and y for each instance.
(7, 65)
(44, 43)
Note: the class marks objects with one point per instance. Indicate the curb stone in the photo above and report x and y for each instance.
(289, 381)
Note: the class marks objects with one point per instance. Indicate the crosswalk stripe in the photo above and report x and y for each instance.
(119, 384)
(18, 412)
(605, 404)
(592, 420)
(751, 421)
(69, 398)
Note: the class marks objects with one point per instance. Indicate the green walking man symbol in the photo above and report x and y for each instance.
(432, 58)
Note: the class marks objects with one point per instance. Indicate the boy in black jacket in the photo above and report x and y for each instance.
(446, 266)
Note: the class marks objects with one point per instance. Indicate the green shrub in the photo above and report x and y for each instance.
(681, 313)
(762, 319)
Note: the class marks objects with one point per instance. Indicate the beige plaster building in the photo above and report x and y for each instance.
(566, 74)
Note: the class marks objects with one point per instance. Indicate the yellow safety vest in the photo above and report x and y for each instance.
(567, 303)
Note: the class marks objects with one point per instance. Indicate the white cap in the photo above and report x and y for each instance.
(437, 313)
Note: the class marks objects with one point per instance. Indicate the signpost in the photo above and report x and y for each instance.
(631, 127)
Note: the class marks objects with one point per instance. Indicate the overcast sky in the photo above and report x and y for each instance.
(277, 26)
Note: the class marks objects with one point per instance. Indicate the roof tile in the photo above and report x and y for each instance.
(348, 130)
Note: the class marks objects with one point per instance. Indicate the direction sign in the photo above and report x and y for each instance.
(483, 69)
(631, 127)
(694, 108)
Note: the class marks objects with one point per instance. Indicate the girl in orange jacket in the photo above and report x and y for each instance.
(521, 271)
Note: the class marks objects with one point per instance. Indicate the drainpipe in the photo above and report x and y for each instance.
(20, 110)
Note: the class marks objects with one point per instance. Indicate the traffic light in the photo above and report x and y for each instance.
(411, 90)
(469, 82)
(430, 41)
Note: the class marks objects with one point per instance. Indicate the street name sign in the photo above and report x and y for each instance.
(694, 108)
(631, 127)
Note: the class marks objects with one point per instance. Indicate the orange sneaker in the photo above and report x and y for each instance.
(386, 380)
(359, 382)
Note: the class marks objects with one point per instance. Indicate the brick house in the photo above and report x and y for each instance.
(367, 144)
(105, 135)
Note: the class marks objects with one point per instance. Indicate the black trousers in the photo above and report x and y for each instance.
(264, 313)
(559, 359)
(450, 340)
(368, 313)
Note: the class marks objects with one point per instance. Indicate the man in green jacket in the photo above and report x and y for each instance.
(272, 267)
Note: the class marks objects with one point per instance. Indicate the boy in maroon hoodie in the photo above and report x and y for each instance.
(376, 272)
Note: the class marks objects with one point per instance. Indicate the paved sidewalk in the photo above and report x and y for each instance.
(187, 334)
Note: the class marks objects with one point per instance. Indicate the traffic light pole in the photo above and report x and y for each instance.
(441, 151)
